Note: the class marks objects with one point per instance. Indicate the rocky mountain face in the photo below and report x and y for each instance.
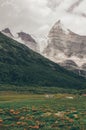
(66, 48)
(71, 65)
(28, 40)
(22, 37)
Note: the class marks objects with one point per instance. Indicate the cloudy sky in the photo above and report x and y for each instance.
(37, 16)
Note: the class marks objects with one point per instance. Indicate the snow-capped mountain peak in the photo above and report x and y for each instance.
(65, 45)
(7, 32)
(60, 28)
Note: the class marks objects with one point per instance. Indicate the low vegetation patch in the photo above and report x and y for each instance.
(51, 112)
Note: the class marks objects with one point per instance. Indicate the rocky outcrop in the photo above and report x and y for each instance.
(69, 64)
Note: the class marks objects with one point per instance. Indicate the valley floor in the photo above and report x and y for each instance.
(42, 112)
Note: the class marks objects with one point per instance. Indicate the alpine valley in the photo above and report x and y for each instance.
(21, 65)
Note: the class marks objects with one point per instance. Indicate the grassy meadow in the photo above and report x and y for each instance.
(42, 111)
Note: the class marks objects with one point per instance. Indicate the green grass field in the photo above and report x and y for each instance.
(42, 112)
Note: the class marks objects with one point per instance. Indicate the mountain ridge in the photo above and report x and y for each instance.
(62, 45)
(19, 65)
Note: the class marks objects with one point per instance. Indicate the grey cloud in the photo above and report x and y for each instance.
(83, 14)
(74, 5)
(53, 4)
(22, 14)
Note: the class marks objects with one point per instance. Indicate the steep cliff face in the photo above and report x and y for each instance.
(64, 45)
